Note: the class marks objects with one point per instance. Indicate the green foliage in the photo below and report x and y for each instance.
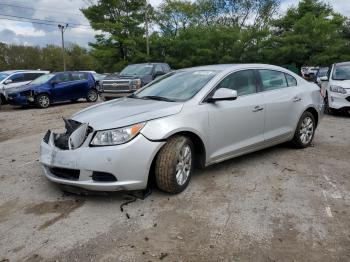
(310, 34)
(189, 33)
(47, 58)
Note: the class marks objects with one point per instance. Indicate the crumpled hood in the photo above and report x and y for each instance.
(21, 88)
(344, 83)
(125, 111)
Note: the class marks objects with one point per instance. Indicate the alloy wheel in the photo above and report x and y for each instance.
(44, 101)
(184, 164)
(306, 130)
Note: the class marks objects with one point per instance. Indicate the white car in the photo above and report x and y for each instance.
(336, 87)
(14, 78)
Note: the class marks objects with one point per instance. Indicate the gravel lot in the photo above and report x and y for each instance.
(278, 204)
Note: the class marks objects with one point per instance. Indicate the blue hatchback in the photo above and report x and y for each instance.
(55, 87)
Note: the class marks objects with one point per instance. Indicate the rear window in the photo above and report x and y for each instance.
(79, 76)
(291, 80)
(272, 80)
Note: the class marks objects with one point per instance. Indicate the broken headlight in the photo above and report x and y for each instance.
(116, 136)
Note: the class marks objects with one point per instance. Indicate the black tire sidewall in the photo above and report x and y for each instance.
(87, 95)
(38, 103)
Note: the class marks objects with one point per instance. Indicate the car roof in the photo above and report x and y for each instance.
(151, 63)
(343, 63)
(23, 71)
(224, 67)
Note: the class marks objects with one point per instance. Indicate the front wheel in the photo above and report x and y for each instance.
(305, 131)
(92, 95)
(42, 101)
(174, 165)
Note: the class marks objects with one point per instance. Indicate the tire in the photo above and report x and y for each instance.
(305, 131)
(92, 95)
(176, 154)
(42, 101)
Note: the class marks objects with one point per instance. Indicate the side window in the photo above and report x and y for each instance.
(31, 76)
(166, 68)
(244, 82)
(158, 68)
(79, 76)
(62, 78)
(17, 78)
(291, 81)
(272, 80)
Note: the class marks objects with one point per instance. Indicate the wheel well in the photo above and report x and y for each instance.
(314, 113)
(199, 148)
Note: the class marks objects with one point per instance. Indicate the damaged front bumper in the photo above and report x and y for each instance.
(105, 168)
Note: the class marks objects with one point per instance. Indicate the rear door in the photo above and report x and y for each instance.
(80, 85)
(282, 99)
(236, 126)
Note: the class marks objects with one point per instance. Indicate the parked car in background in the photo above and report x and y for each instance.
(190, 117)
(336, 86)
(322, 72)
(131, 78)
(14, 78)
(55, 87)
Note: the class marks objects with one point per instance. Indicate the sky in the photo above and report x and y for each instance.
(67, 11)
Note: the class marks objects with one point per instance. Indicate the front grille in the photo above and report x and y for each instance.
(103, 177)
(348, 98)
(116, 85)
(66, 173)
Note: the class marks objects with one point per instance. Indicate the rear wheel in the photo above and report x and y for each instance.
(92, 95)
(305, 131)
(42, 101)
(174, 165)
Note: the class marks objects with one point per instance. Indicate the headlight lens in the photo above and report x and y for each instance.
(116, 136)
(338, 89)
(136, 84)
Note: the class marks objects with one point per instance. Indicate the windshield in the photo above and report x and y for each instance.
(177, 86)
(3, 76)
(132, 70)
(341, 72)
(42, 79)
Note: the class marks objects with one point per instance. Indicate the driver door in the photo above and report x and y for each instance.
(236, 127)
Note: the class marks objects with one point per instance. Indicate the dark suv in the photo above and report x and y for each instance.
(132, 78)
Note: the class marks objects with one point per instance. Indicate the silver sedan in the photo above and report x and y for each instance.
(188, 118)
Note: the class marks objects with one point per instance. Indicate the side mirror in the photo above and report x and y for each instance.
(324, 78)
(53, 83)
(223, 94)
(158, 73)
(8, 81)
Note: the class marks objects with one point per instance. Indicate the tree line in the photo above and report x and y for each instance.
(15, 57)
(188, 33)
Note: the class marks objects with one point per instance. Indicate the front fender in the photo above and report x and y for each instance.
(163, 128)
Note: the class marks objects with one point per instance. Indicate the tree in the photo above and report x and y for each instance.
(310, 34)
(122, 37)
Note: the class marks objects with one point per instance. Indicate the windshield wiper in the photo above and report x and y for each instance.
(159, 98)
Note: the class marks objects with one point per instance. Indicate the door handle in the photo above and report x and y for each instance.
(257, 108)
(296, 99)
